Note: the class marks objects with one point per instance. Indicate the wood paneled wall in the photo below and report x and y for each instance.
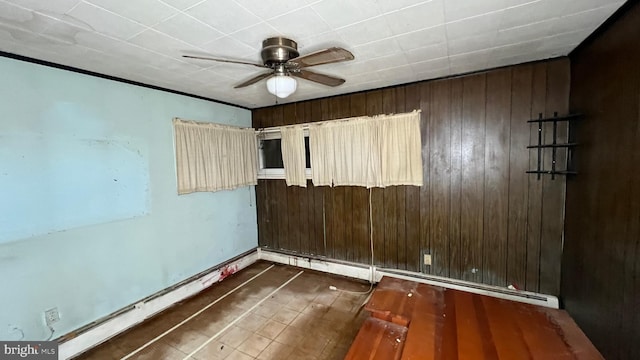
(601, 263)
(478, 214)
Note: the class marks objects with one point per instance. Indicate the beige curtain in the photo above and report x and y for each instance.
(401, 149)
(344, 152)
(321, 147)
(293, 155)
(372, 152)
(212, 157)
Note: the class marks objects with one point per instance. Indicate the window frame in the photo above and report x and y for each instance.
(273, 133)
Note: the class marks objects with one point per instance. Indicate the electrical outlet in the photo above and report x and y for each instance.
(51, 316)
(427, 259)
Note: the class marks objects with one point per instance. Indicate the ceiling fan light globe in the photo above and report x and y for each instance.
(282, 85)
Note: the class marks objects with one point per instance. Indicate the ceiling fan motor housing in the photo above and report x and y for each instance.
(278, 50)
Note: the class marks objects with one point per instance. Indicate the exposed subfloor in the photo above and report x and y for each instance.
(303, 319)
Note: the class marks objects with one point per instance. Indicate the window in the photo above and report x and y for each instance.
(270, 154)
(378, 151)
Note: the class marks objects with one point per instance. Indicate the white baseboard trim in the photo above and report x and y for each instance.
(112, 326)
(363, 272)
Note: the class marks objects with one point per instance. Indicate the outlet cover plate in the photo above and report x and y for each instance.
(51, 316)
(425, 261)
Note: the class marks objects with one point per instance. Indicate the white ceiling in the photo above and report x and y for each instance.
(394, 41)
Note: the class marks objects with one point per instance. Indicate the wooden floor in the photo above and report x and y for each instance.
(302, 320)
(410, 320)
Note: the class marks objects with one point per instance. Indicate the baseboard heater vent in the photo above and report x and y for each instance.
(368, 273)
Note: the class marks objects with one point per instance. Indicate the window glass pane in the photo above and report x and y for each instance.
(272, 154)
(307, 157)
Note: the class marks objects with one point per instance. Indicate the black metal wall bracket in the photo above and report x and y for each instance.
(554, 145)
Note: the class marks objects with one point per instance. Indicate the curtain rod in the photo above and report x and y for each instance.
(209, 124)
(305, 126)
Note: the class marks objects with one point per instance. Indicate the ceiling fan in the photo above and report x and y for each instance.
(280, 55)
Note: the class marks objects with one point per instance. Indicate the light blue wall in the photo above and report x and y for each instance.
(90, 220)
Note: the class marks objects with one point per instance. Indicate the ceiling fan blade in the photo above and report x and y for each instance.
(319, 78)
(326, 56)
(254, 79)
(224, 60)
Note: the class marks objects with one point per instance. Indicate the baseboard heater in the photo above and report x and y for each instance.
(369, 273)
